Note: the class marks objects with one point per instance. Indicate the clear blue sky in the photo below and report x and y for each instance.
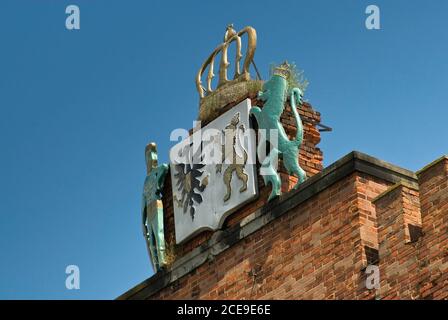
(78, 108)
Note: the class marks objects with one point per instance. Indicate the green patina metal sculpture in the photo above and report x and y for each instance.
(152, 207)
(274, 94)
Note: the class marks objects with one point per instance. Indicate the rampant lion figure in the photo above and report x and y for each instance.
(232, 139)
(274, 94)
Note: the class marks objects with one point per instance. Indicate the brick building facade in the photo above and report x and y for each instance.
(316, 242)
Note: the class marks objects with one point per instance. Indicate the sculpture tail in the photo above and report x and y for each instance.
(296, 94)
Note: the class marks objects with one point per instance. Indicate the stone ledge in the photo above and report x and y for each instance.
(432, 164)
(223, 239)
(412, 186)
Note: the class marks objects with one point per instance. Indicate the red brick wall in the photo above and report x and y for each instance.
(317, 250)
(399, 264)
(368, 188)
(433, 253)
(313, 252)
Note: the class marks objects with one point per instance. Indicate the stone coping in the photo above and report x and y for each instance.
(432, 164)
(412, 186)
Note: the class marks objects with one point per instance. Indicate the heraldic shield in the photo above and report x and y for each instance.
(213, 172)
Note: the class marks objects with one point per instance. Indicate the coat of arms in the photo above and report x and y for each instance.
(213, 172)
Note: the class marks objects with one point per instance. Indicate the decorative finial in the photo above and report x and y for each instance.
(230, 32)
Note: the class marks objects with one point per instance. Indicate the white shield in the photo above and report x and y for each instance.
(205, 192)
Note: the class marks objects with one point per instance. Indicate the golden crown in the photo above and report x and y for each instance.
(240, 75)
(283, 70)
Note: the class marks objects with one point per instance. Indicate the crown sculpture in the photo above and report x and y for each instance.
(227, 91)
(204, 194)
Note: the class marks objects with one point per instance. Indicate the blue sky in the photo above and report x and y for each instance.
(78, 107)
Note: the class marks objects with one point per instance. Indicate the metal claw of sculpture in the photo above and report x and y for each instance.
(152, 207)
(274, 94)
